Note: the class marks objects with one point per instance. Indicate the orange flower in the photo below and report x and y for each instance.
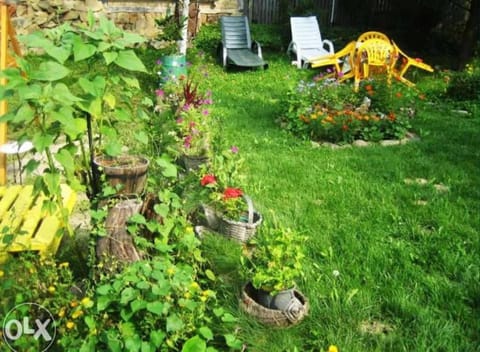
(345, 127)
(422, 97)
(398, 95)
(417, 59)
(369, 87)
(391, 116)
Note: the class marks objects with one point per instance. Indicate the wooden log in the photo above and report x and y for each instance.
(118, 243)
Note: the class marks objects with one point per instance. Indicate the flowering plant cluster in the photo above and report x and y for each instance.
(326, 110)
(218, 186)
(185, 110)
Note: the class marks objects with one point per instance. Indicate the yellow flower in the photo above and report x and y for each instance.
(203, 298)
(187, 295)
(171, 271)
(1, 273)
(86, 302)
(332, 348)
(61, 314)
(63, 265)
(77, 314)
(51, 289)
(194, 285)
(70, 325)
(73, 304)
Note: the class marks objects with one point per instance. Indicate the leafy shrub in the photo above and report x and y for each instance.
(269, 36)
(326, 110)
(465, 85)
(208, 38)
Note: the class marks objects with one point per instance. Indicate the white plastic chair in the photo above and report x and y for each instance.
(307, 43)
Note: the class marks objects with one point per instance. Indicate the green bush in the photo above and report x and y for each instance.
(465, 85)
(208, 38)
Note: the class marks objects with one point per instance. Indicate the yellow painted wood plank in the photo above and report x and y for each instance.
(3, 189)
(15, 214)
(8, 198)
(49, 233)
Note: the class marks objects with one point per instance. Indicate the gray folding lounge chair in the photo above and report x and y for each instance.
(237, 47)
(307, 43)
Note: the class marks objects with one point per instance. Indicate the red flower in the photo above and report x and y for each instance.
(232, 193)
(208, 180)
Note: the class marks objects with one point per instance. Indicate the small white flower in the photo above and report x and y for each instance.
(336, 273)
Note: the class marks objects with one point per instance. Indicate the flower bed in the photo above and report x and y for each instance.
(329, 111)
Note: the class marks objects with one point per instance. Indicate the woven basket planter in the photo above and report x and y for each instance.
(238, 230)
(193, 163)
(272, 317)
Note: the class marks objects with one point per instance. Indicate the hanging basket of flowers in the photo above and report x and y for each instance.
(243, 228)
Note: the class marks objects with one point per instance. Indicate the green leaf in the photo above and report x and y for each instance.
(63, 94)
(157, 337)
(104, 289)
(49, 71)
(110, 56)
(113, 148)
(228, 318)
(155, 307)
(131, 82)
(82, 50)
(210, 275)
(232, 341)
(174, 323)
(24, 114)
(206, 332)
(61, 54)
(42, 141)
(103, 302)
(66, 160)
(127, 329)
(96, 87)
(128, 60)
(161, 209)
(127, 295)
(168, 169)
(122, 115)
(141, 137)
(137, 305)
(194, 344)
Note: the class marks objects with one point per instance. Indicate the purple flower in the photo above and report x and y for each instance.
(159, 92)
(186, 107)
(179, 120)
(340, 74)
(207, 101)
(234, 149)
(187, 141)
(205, 112)
(192, 124)
(159, 62)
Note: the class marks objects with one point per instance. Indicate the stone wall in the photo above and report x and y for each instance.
(138, 16)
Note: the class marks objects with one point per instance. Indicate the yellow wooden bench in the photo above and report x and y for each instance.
(32, 229)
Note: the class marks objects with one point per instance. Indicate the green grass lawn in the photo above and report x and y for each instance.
(399, 224)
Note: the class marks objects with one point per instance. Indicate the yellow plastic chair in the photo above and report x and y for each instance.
(373, 55)
(372, 35)
(404, 62)
(342, 61)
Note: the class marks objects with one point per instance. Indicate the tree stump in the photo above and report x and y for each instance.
(118, 243)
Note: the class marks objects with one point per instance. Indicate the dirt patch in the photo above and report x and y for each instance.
(375, 328)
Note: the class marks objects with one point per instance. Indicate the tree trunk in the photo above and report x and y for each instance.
(118, 244)
(185, 4)
(470, 35)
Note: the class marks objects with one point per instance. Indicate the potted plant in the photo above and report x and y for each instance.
(172, 62)
(44, 111)
(111, 100)
(225, 206)
(272, 270)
